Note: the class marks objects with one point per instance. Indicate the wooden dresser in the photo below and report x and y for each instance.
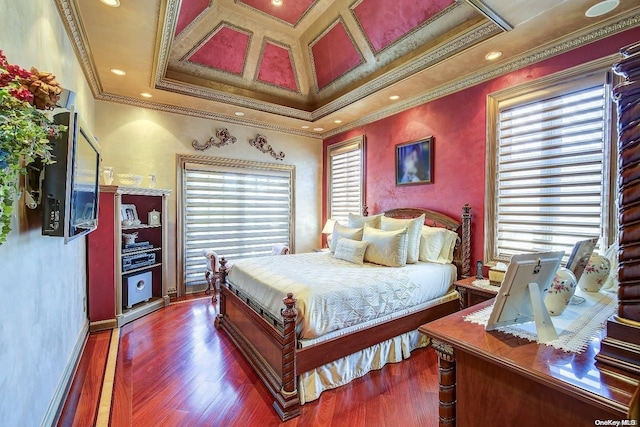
(493, 378)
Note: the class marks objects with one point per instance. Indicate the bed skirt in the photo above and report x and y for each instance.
(342, 371)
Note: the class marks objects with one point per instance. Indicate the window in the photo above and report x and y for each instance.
(239, 209)
(549, 165)
(345, 184)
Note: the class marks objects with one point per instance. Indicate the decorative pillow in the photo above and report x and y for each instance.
(357, 221)
(342, 231)
(385, 247)
(437, 244)
(350, 250)
(413, 227)
(432, 242)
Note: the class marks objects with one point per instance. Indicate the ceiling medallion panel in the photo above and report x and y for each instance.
(383, 26)
(276, 66)
(225, 48)
(189, 11)
(291, 11)
(333, 54)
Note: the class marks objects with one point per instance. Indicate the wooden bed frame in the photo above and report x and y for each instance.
(270, 345)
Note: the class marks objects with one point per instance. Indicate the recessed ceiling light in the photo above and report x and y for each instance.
(492, 56)
(146, 95)
(318, 129)
(111, 3)
(276, 2)
(601, 8)
(118, 72)
(305, 127)
(239, 113)
(394, 97)
(337, 121)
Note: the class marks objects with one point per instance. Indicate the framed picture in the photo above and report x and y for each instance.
(128, 213)
(414, 162)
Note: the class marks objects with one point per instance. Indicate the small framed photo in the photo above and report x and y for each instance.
(414, 162)
(128, 213)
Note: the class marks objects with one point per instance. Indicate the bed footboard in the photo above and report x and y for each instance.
(269, 351)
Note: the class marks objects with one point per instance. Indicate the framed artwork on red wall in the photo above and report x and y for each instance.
(414, 163)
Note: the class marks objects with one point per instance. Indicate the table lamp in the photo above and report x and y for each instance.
(328, 229)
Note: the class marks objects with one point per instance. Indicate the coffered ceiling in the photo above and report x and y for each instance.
(316, 67)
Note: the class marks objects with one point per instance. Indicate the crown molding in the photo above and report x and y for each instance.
(589, 35)
(69, 16)
(209, 115)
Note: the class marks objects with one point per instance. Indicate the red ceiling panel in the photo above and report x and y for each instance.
(276, 67)
(333, 54)
(383, 25)
(291, 11)
(189, 10)
(226, 50)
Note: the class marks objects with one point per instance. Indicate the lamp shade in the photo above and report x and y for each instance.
(328, 226)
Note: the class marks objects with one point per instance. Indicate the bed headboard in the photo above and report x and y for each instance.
(462, 252)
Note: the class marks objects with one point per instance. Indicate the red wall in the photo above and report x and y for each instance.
(458, 125)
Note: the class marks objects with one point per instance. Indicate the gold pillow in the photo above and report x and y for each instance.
(350, 250)
(342, 231)
(413, 226)
(385, 247)
(357, 221)
(437, 244)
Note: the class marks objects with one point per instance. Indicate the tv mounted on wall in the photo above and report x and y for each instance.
(70, 186)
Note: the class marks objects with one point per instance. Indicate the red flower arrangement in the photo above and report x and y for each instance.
(24, 128)
(13, 77)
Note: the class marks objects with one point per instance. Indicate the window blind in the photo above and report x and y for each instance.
(550, 172)
(345, 180)
(239, 213)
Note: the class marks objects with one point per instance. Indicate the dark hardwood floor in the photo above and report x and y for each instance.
(175, 369)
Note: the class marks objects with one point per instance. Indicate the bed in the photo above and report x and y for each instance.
(299, 345)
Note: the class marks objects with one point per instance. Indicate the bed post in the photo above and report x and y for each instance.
(287, 403)
(466, 240)
(222, 275)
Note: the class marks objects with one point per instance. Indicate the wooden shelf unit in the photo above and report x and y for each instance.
(105, 255)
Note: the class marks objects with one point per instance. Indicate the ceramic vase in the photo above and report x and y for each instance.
(559, 294)
(595, 273)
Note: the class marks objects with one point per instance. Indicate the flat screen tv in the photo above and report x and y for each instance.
(70, 186)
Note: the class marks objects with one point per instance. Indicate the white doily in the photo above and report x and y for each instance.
(580, 321)
(485, 284)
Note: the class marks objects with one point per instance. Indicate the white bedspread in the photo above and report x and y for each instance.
(333, 294)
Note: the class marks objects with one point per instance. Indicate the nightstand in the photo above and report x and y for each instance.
(472, 295)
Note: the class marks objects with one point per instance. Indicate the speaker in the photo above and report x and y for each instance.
(136, 288)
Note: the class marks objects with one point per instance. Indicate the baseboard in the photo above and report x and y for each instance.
(102, 325)
(57, 401)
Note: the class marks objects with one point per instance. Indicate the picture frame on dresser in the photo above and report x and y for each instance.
(414, 162)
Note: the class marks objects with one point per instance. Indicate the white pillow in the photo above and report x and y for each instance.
(350, 250)
(433, 242)
(356, 221)
(342, 231)
(413, 227)
(385, 247)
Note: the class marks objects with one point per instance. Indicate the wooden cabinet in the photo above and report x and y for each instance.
(497, 379)
(472, 295)
(112, 266)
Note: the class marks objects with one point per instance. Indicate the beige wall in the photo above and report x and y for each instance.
(142, 141)
(42, 281)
